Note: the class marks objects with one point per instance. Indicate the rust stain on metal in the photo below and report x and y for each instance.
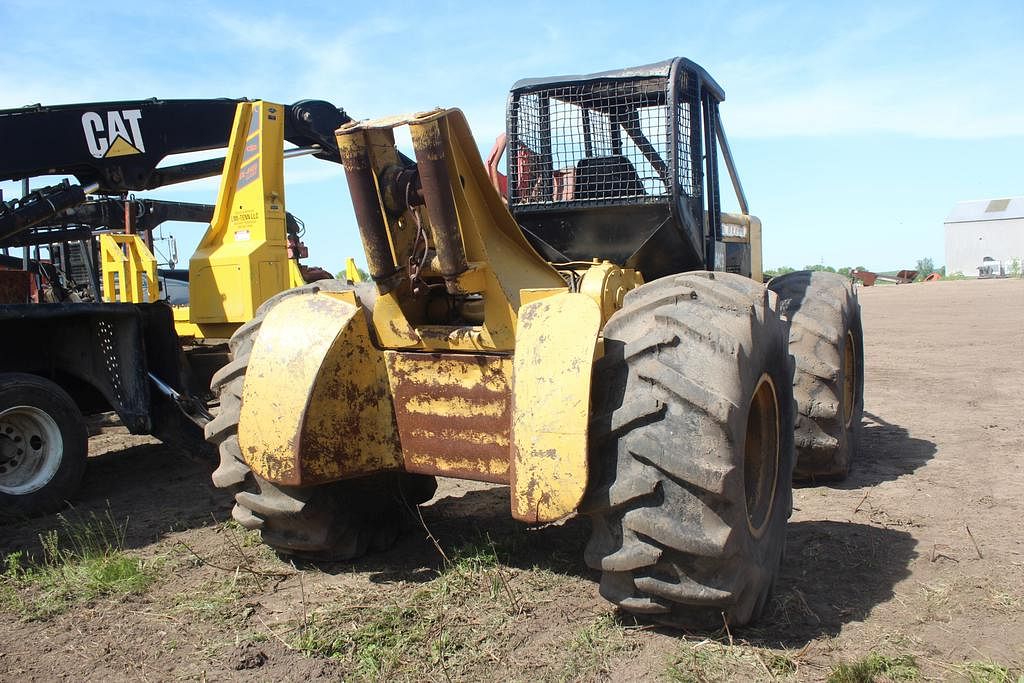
(316, 400)
(349, 427)
(453, 413)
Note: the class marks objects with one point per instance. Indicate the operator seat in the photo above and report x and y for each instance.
(606, 178)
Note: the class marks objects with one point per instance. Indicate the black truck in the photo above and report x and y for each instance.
(64, 352)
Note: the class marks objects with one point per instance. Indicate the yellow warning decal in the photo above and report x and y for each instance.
(121, 148)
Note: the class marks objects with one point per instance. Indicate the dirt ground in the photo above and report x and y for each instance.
(920, 553)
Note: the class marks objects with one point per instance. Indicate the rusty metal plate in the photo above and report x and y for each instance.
(453, 413)
(15, 286)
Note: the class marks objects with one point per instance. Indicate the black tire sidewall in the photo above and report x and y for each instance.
(852, 325)
(771, 356)
(849, 435)
(18, 389)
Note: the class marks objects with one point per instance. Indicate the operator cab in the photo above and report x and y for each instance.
(621, 165)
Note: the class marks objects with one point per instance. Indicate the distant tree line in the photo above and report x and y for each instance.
(845, 270)
(363, 275)
(925, 267)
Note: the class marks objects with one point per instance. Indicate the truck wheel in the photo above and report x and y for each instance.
(43, 445)
(692, 443)
(827, 341)
(337, 521)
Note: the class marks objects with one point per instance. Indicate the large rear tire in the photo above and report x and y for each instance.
(692, 444)
(338, 521)
(43, 445)
(827, 341)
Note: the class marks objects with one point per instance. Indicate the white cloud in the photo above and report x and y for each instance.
(917, 104)
(843, 82)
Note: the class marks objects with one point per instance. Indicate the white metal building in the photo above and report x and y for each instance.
(984, 227)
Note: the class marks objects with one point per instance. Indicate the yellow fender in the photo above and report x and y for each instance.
(316, 404)
(556, 341)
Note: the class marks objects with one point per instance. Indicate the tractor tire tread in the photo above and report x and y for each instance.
(669, 526)
(822, 308)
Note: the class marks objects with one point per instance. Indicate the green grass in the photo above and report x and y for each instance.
(988, 672)
(212, 601)
(10, 598)
(471, 614)
(709, 660)
(374, 645)
(429, 625)
(80, 562)
(592, 648)
(246, 538)
(876, 667)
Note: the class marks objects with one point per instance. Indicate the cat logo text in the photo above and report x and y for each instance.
(113, 133)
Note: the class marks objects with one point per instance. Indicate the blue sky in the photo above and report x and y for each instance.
(855, 127)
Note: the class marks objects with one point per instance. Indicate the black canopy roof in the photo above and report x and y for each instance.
(658, 69)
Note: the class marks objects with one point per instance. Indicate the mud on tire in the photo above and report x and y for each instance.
(827, 341)
(692, 449)
(337, 521)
